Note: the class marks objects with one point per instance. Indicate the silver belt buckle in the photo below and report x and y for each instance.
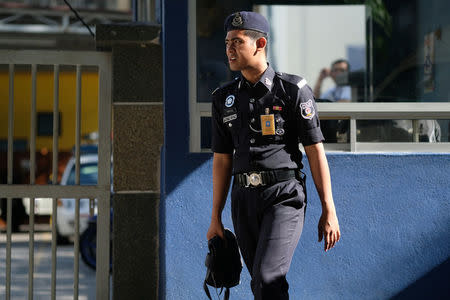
(253, 179)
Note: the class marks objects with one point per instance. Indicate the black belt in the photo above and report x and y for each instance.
(254, 179)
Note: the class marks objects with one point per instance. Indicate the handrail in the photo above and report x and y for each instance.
(385, 110)
(354, 111)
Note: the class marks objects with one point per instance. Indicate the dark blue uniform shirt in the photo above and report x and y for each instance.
(236, 122)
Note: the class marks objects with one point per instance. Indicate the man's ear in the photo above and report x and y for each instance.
(261, 44)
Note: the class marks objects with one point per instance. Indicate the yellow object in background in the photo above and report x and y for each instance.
(44, 104)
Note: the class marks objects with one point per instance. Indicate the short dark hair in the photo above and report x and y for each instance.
(341, 60)
(255, 35)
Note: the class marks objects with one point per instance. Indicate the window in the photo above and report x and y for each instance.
(397, 54)
(88, 174)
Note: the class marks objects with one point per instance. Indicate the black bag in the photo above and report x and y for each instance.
(223, 263)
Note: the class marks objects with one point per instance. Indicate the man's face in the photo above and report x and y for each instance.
(240, 50)
(338, 69)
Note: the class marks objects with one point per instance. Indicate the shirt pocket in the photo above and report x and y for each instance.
(280, 116)
(232, 121)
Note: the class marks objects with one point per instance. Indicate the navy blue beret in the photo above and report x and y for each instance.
(247, 20)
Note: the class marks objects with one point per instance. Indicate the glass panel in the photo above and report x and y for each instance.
(426, 131)
(396, 51)
(330, 54)
(407, 55)
(335, 131)
(411, 50)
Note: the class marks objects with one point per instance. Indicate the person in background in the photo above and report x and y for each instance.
(334, 130)
(339, 73)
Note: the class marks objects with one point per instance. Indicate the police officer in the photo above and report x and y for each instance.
(258, 121)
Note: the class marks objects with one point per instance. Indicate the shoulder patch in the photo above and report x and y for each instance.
(301, 83)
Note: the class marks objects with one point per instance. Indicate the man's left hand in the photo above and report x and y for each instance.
(328, 230)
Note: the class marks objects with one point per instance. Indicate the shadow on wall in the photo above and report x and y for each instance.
(433, 285)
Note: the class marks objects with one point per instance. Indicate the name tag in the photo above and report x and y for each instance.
(268, 124)
(230, 118)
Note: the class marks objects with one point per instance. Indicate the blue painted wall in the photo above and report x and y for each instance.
(394, 217)
(394, 211)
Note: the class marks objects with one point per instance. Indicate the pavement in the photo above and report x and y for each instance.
(42, 269)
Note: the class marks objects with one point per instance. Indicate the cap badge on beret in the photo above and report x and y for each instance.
(237, 20)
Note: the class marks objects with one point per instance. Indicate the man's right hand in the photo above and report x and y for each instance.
(324, 73)
(215, 228)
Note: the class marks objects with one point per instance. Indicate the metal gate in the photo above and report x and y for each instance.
(55, 59)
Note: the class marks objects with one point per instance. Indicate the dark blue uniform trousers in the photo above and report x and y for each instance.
(268, 222)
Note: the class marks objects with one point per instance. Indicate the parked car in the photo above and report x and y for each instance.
(42, 206)
(65, 223)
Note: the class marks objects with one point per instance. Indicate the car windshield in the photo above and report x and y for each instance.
(88, 174)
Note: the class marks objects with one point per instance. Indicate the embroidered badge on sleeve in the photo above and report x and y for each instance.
(307, 110)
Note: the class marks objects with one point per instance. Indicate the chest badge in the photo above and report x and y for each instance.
(229, 102)
(307, 110)
(279, 131)
(268, 123)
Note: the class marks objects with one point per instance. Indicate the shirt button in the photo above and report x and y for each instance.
(252, 141)
(252, 100)
(230, 125)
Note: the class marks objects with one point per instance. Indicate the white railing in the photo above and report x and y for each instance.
(101, 191)
(386, 111)
(354, 112)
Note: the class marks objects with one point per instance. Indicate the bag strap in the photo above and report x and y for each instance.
(205, 287)
(208, 294)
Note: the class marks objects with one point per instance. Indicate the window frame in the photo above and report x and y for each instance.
(353, 111)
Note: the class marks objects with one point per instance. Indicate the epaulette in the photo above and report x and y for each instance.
(226, 84)
(292, 79)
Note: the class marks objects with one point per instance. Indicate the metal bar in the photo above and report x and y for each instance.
(9, 179)
(51, 57)
(152, 11)
(55, 174)
(104, 180)
(8, 247)
(76, 245)
(30, 28)
(381, 110)
(369, 111)
(371, 53)
(404, 147)
(415, 126)
(110, 14)
(49, 191)
(194, 119)
(11, 19)
(353, 135)
(10, 124)
(32, 178)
